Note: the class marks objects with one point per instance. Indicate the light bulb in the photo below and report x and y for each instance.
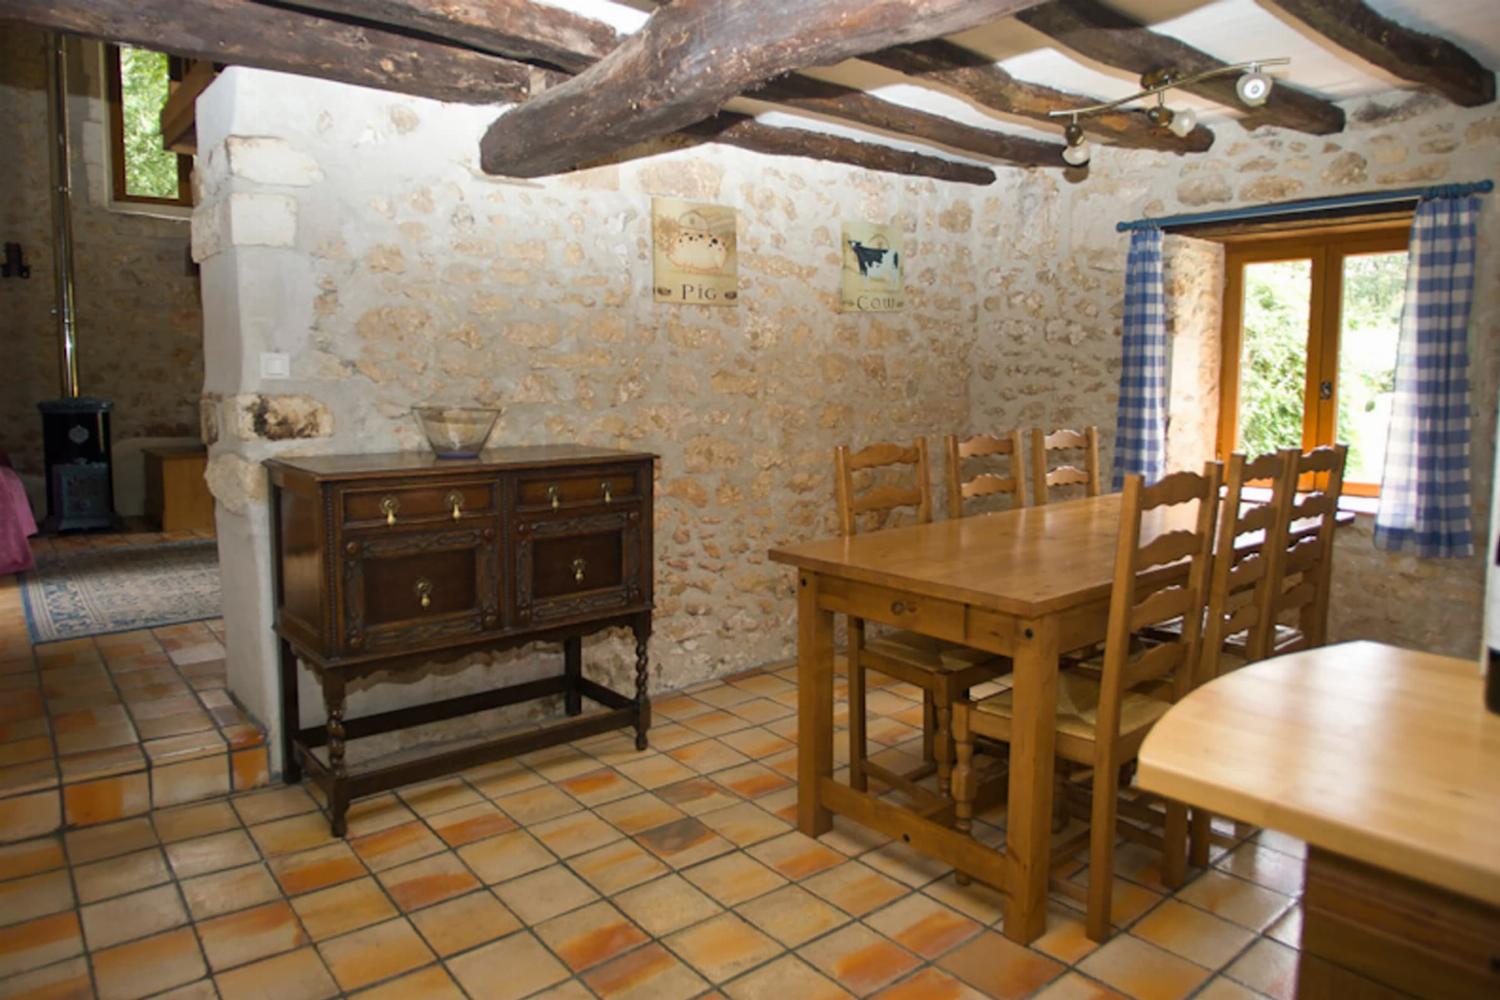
(1079, 155)
(1183, 122)
(1253, 88)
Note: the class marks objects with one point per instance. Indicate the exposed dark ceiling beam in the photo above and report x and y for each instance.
(1403, 52)
(978, 78)
(1103, 34)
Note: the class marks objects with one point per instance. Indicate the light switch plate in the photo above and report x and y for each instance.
(275, 365)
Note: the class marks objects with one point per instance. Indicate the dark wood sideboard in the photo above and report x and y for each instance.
(385, 563)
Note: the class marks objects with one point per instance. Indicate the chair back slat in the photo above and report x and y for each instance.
(1302, 570)
(1044, 476)
(1164, 605)
(1156, 663)
(985, 483)
(909, 462)
(1168, 548)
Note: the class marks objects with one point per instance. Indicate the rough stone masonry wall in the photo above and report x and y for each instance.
(140, 328)
(1048, 348)
(354, 231)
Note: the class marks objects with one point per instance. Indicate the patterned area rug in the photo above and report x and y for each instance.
(97, 590)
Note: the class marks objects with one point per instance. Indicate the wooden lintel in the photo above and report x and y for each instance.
(837, 101)
(979, 79)
(1103, 34)
(1401, 51)
(249, 34)
(519, 29)
(694, 55)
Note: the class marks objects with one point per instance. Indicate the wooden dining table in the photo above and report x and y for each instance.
(1030, 584)
(1387, 764)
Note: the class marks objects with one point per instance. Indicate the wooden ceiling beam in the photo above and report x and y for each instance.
(1100, 33)
(518, 29)
(248, 34)
(979, 79)
(694, 55)
(745, 132)
(837, 101)
(1403, 52)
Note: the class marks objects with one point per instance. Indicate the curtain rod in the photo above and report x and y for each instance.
(1308, 205)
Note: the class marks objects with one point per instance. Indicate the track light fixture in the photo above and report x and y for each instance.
(1253, 89)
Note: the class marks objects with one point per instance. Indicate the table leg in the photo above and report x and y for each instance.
(814, 706)
(572, 674)
(291, 714)
(1028, 825)
(642, 631)
(338, 795)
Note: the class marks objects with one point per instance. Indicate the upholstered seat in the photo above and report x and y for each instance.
(1078, 706)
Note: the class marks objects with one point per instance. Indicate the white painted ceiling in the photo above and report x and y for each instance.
(1231, 30)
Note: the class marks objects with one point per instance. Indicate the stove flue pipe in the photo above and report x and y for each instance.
(62, 216)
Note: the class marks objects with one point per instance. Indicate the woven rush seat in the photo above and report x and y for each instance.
(1078, 706)
(928, 653)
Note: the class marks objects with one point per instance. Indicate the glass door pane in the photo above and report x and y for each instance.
(1374, 289)
(1273, 355)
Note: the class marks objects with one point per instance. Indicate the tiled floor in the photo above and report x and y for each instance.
(592, 870)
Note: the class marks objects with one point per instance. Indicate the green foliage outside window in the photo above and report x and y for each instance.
(1273, 366)
(150, 170)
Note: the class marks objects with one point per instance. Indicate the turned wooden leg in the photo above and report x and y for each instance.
(929, 727)
(642, 632)
(1174, 845)
(338, 796)
(1102, 850)
(942, 741)
(857, 742)
(964, 783)
(572, 674)
(1200, 834)
(291, 715)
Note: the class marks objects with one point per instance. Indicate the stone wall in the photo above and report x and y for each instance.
(140, 328)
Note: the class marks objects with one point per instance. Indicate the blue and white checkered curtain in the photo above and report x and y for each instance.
(1141, 427)
(1424, 494)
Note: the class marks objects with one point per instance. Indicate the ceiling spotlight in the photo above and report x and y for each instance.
(1253, 87)
(1160, 115)
(1078, 151)
(1183, 122)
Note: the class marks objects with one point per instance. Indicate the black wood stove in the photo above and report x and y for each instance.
(75, 447)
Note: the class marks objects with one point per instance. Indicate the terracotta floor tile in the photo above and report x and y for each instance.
(35, 896)
(1223, 988)
(342, 908)
(707, 756)
(125, 918)
(496, 859)
(470, 823)
(40, 942)
(376, 814)
(537, 805)
(792, 915)
(638, 813)
(433, 797)
(859, 959)
(186, 822)
(1232, 898)
(784, 979)
(558, 763)
(796, 855)
(1268, 967)
(1000, 968)
(722, 947)
(697, 795)
(1287, 928)
(753, 781)
(575, 833)
(616, 867)
(294, 833)
(229, 890)
(397, 845)
(29, 857)
(975, 900)
(1285, 843)
(905, 864)
(430, 880)
(316, 869)
(684, 842)
(148, 966)
(94, 843)
(462, 923)
(930, 984)
(721, 695)
(1192, 933)
(715, 723)
(507, 777)
(67, 980)
(88, 803)
(655, 771)
(247, 935)
(1075, 986)
(1265, 867)
(1143, 970)
(297, 975)
(25, 751)
(601, 785)
(586, 937)
(431, 983)
(761, 711)
(544, 894)
(215, 852)
(1065, 937)
(272, 804)
(23, 817)
(734, 878)
(922, 925)
(527, 967)
(679, 707)
(855, 888)
(375, 953)
(744, 824)
(666, 904)
(649, 973)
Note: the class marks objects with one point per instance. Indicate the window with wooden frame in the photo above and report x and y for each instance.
(143, 171)
(1311, 323)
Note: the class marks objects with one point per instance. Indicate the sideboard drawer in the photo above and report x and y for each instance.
(569, 567)
(393, 505)
(412, 588)
(550, 491)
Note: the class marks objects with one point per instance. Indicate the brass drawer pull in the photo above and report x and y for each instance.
(609, 496)
(579, 565)
(553, 496)
(455, 500)
(388, 507)
(424, 591)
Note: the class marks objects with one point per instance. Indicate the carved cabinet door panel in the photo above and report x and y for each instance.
(413, 588)
(577, 566)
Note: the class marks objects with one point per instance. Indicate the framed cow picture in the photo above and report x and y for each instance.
(871, 280)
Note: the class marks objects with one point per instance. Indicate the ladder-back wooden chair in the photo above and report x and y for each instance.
(1302, 569)
(1102, 720)
(1044, 477)
(943, 670)
(984, 484)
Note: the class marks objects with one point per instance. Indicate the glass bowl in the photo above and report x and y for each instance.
(456, 431)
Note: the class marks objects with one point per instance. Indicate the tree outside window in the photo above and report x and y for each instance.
(140, 81)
